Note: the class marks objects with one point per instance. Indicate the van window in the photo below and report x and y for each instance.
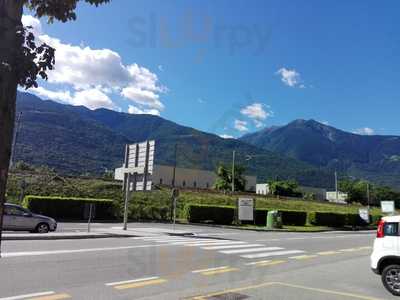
(391, 229)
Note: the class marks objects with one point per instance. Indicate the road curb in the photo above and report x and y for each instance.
(20, 237)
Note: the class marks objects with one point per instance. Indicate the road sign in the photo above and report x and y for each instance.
(246, 209)
(136, 171)
(138, 164)
(364, 214)
(387, 207)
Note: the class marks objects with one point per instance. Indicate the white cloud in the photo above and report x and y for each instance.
(33, 22)
(200, 100)
(290, 77)
(91, 98)
(256, 111)
(241, 125)
(258, 124)
(364, 131)
(135, 110)
(91, 73)
(63, 96)
(161, 68)
(226, 136)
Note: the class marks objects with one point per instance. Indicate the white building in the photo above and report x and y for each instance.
(262, 188)
(187, 178)
(341, 197)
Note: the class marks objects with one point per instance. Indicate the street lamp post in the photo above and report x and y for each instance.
(233, 171)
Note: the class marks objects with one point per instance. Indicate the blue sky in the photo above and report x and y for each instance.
(245, 64)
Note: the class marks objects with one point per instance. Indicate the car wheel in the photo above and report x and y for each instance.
(42, 228)
(391, 279)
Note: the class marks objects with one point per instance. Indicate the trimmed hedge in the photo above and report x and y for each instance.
(294, 218)
(224, 215)
(261, 217)
(68, 207)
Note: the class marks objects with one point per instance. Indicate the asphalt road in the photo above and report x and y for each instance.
(215, 264)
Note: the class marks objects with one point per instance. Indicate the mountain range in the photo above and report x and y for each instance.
(375, 157)
(76, 140)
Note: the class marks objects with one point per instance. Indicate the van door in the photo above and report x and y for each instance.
(391, 239)
(9, 221)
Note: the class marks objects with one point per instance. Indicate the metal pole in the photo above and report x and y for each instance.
(174, 212)
(127, 187)
(336, 187)
(15, 140)
(90, 217)
(233, 171)
(368, 195)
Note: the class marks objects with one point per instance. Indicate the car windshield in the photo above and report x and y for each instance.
(183, 149)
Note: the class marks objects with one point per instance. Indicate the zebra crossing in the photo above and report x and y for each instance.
(243, 249)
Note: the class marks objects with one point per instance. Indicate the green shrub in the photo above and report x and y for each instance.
(295, 218)
(261, 217)
(374, 219)
(69, 207)
(329, 219)
(224, 215)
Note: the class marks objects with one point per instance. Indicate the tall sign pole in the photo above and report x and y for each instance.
(136, 172)
(126, 186)
(233, 171)
(336, 187)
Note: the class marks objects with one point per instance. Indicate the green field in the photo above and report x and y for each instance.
(155, 205)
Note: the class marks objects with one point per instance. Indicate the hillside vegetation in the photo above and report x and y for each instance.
(150, 205)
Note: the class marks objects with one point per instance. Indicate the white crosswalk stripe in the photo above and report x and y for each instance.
(230, 247)
(275, 253)
(251, 250)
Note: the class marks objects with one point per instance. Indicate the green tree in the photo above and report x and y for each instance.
(286, 188)
(22, 61)
(224, 178)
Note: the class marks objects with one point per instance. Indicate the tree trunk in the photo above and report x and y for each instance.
(10, 22)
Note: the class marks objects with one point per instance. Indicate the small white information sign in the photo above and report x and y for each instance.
(246, 209)
(387, 207)
(364, 214)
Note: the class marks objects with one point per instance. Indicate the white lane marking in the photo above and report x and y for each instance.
(37, 253)
(170, 240)
(231, 246)
(277, 253)
(268, 240)
(251, 250)
(212, 244)
(186, 241)
(210, 269)
(258, 262)
(29, 296)
(130, 281)
(196, 242)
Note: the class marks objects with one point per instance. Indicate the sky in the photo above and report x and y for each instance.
(232, 67)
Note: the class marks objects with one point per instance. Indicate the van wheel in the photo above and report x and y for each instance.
(42, 228)
(391, 279)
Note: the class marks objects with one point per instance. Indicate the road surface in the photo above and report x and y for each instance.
(214, 264)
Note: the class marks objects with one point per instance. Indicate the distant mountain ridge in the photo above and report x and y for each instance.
(372, 157)
(76, 140)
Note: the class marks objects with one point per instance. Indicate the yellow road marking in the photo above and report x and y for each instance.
(204, 297)
(272, 263)
(139, 284)
(348, 250)
(208, 273)
(365, 248)
(303, 257)
(328, 253)
(53, 297)
(266, 284)
(357, 296)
